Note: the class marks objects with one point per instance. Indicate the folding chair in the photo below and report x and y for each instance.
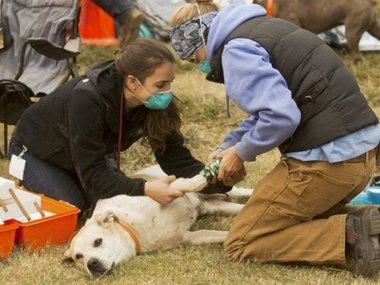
(39, 41)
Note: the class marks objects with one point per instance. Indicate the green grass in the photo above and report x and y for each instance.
(205, 123)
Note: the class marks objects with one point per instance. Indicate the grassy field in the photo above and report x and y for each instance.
(205, 123)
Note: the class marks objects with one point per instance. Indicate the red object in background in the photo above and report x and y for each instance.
(96, 27)
(7, 237)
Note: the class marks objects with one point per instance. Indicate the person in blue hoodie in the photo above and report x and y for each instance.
(299, 97)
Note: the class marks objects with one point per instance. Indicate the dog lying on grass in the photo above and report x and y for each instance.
(319, 16)
(123, 226)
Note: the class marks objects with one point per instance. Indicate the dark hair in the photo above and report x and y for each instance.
(141, 58)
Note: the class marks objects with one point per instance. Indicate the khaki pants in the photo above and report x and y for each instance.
(297, 212)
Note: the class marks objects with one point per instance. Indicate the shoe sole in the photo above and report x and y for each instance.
(370, 247)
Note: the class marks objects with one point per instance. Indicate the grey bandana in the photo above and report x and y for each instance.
(186, 38)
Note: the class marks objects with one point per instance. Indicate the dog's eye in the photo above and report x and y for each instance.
(98, 242)
(78, 256)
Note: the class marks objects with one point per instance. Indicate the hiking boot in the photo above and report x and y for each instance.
(130, 29)
(362, 241)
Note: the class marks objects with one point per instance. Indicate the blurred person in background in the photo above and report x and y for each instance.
(127, 17)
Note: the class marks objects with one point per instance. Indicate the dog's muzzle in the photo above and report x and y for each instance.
(96, 267)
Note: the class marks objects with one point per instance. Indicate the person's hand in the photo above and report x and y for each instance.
(231, 169)
(235, 178)
(160, 190)
(214, 155)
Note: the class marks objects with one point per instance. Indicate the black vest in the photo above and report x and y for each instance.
(326, 93)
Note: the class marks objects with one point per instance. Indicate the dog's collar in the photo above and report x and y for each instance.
(270, 7)
(132, 234)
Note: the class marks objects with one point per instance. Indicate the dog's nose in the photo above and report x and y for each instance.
(95, 266)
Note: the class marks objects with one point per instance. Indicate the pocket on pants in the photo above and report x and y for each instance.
(318, 192)
(299, 182)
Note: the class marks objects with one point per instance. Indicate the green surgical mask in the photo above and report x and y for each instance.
(156, 101)
(204, 66)
(159, 100)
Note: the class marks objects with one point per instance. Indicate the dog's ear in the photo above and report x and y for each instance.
(106, 219)
(67, 257)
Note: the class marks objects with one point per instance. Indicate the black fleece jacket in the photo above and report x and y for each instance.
(76, 128)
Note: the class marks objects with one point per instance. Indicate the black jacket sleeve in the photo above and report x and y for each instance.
(89, 151)
(177, 160)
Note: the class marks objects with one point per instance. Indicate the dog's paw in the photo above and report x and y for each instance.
(195, 184)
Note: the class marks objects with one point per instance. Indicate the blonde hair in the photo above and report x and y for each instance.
(189, 10)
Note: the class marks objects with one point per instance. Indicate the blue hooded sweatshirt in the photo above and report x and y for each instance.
(261, 91)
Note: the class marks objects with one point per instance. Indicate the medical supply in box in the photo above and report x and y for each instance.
(5, 185)
(56, 228)
(32, 220)
(18, 203)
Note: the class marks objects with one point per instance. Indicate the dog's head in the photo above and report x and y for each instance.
(100, 245)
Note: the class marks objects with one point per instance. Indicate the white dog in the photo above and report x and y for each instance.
(124, 226)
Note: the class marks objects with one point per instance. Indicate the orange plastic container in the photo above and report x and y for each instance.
(52, 230)
(7, 238)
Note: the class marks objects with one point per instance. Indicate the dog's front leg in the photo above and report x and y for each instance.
(195, 184)
(239, 192)
(204, 237)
